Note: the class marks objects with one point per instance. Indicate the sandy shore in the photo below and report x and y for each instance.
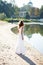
(7, 49)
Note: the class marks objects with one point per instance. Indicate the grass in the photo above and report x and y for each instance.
(16, 19)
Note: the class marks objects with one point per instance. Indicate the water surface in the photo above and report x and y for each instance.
(34, 32)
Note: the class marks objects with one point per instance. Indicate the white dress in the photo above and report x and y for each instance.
(20, 49)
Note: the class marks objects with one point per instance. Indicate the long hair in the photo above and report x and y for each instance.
(20, 23)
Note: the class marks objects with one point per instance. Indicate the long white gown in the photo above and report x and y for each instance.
(20, 48)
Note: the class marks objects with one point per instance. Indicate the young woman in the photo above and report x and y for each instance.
(20, 49)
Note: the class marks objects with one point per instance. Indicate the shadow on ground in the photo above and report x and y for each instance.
(25, 58)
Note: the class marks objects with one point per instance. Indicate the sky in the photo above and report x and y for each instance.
(20, 3)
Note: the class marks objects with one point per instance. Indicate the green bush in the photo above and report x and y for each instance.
(16, 20)
(2, 16)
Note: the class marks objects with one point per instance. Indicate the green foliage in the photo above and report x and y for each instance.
(17, 11)
(16, 20)
(2, 16)
(41, 12)
(7, 9)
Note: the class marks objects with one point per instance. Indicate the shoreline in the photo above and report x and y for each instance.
(7, 49)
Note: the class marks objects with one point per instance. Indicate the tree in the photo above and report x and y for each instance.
(13, 2)
(41, 12)
(2, 16)
(0, 0)
(16, 11)
(36, 11)
(32, 11)
(7, 8)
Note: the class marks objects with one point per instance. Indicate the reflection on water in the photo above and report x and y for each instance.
(35, 36)
(33, 28)
(36, 41)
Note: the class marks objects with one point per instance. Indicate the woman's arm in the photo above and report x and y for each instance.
(22, 33)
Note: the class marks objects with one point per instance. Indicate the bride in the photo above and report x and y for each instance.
(20, 49)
